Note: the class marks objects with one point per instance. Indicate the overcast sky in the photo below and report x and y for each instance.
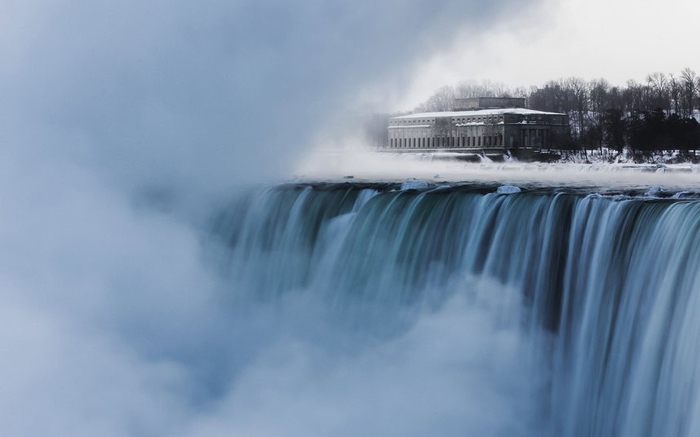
(615, 40)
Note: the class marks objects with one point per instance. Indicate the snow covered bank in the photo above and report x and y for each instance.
(380, 167)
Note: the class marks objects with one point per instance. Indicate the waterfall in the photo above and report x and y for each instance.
(596, 295)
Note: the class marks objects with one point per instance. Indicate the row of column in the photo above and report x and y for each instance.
(446, 142)
(534, 137)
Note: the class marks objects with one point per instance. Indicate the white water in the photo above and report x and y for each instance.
(456, 313)
(363, 338)
(343, 310)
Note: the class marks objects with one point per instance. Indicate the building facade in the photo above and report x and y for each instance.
(479, 129)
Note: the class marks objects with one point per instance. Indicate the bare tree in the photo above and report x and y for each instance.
(696, 99)
(442, 100)
(578, 90)
(599, 92)
(696, 105)
(690, 86)
(520, 92)
(634, 96)
(675, 92)
(600, 113)
(599, 103)
(615, 98)
(554, 96)
(658, 84)
(470, 88)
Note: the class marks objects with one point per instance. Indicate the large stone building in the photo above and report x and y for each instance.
(481, 124)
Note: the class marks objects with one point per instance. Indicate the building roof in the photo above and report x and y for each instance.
(477, 112)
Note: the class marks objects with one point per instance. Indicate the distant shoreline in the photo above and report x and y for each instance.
(369, 166)
(560, 157)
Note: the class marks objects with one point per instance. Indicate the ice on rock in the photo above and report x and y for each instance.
(508, 189)
(415, 185)
(653, 191)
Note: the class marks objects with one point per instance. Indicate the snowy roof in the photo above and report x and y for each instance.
(478, 112)
(413, 126)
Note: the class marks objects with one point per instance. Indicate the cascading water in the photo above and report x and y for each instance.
(463, 310)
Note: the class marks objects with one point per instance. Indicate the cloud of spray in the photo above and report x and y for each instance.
(202, 95)
(455, 372)
(111, 318)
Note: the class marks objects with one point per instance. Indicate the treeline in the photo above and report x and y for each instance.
(660, 114)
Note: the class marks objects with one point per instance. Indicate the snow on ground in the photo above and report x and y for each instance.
(608, 156)
(327, 165)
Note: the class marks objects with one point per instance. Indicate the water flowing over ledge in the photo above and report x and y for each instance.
(597, 294)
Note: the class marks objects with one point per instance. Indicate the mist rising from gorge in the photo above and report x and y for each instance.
(121, 123)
